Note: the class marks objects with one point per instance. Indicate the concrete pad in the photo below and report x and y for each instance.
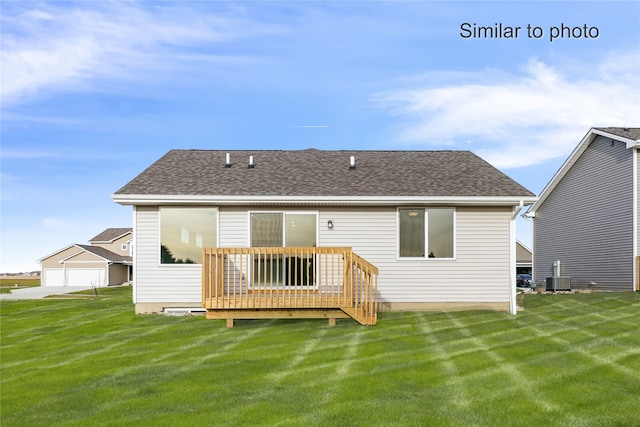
(38, 292)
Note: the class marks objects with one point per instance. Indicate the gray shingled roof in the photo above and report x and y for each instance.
(629, 133)
(111, 234)
(106, 254)
(323, 173)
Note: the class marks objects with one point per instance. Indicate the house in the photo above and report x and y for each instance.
(423, 229)
(585, 221)
(105, 261)
(524, 258)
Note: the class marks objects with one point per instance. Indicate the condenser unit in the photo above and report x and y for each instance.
(561, 283)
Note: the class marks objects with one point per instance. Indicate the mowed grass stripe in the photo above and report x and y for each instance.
(519, 384)
(146, 372)
(571, 348)
(46, 324)
(463, 368)
(455, 386)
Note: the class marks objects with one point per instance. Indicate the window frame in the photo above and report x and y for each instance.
(284, 213)
(426, 257)
(284, 224)
(159, 246)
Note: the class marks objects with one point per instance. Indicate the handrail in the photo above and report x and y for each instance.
(290, 278)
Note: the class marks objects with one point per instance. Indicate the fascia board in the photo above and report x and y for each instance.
(566, 166)
(156, 199)
(633, 144)
(57, 252)
(79, 252)
(630, 142)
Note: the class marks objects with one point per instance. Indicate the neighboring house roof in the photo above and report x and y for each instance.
(319, 175)
(111, 234)
(106, 254)
(630, 136)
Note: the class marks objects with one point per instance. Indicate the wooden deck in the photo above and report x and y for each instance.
(318, 282)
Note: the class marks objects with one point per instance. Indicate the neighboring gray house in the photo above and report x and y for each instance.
(105, 261)
(438, 225)
(587, 216)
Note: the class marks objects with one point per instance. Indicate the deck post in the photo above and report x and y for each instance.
(332, 321)
(229, 323)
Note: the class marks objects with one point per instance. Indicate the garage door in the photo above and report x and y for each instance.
(53, 277)
(85, 277)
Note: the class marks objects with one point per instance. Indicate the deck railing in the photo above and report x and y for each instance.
(259, 280)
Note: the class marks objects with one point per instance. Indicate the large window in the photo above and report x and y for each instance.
(184, 232)
(426, 233)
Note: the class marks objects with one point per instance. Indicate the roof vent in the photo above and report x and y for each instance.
(227, 163)
(251, 163)
(352, 162)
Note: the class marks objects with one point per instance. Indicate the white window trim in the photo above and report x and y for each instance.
(179, 265)
(426, 234)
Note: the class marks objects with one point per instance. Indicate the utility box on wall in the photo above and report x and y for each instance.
(562, 283)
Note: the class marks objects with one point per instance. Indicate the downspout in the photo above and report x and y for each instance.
(530, 217)
(634, 227)
(513, 306)
(133, 256)
(108, 278)
(64, 273)
(519, 208)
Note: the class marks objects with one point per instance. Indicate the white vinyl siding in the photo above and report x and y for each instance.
(480, 272)
(234, 225)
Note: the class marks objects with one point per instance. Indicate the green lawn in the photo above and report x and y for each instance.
(565, 360)
(8, 283)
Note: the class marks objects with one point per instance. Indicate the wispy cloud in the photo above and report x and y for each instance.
(26, 153)
(56, 46)
(515, 120)
(54, 223)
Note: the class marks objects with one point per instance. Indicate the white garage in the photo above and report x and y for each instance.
(86, 277)
(88, 265)
(53, 277)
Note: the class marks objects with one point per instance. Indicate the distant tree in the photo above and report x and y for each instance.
(167, 257)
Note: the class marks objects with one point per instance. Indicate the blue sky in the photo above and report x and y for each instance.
(94, 92)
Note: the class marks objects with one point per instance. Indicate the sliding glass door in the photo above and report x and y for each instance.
(283, 229)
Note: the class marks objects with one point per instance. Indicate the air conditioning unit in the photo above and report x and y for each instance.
(561, 283)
